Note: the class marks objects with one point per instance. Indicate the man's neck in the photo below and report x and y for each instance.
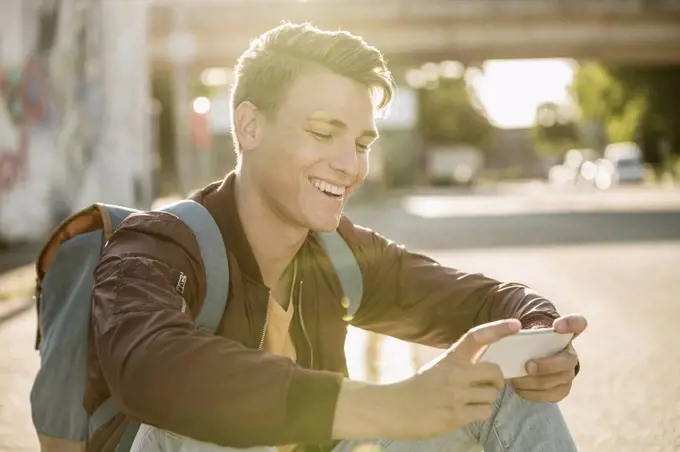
(274, 241)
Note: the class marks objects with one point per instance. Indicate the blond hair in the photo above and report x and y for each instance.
(273, 61)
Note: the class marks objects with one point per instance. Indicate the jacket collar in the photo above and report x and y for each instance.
(220, 200)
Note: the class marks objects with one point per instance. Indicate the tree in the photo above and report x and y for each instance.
(450, 113)
(658, 131)
(554, 131)
(605, 99)
(633, 104)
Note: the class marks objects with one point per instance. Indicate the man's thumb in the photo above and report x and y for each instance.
(475, 340)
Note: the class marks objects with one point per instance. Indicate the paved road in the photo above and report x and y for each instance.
(627, 397)
(620, 267)
(18, 364)
(614, 258)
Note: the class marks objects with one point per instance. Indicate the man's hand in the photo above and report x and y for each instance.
(550, 379)
(449, 393)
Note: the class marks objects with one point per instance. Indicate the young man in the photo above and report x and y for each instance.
(274, 374)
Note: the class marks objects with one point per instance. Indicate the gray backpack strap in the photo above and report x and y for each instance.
(347, 268)
(103, 414)
(128, 438)
(214, 256)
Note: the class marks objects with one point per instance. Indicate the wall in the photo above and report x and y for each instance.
(83, 130)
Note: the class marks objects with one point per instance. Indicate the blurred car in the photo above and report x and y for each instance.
(622, 164)
(454, 165)
(627, 160)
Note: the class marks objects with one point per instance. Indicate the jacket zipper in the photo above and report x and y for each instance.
(304, 329)
(266, 322)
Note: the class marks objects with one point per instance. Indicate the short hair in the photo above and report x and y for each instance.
(276, 58)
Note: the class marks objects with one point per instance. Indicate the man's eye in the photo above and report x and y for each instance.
(320, 136)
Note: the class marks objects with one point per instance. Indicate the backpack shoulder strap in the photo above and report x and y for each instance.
(346, 266)
(95, 217)
(214, 256)
(113, 216)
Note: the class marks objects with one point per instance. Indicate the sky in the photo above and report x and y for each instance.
(510, 90)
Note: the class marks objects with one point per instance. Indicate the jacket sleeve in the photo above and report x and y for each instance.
(412, 297)
(163, 372)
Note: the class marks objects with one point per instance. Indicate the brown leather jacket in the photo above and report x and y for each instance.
(222, 388)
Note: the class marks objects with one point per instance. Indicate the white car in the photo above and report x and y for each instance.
(454, 165)
(626, 158)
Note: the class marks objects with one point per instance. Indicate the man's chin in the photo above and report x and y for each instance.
(326, 224)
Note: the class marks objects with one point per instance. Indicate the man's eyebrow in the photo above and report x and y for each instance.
(325, 117)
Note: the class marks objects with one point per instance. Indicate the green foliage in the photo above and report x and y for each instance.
(604, 98)
(633, 104)
(624, 126)
(450, 113)
(554, 131)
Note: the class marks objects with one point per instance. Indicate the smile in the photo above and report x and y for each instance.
(329, 189)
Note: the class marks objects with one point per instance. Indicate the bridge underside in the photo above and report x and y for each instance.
(411, 36)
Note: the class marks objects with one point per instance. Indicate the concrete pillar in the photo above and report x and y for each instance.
(122, 168)
(12, 45)
(181, 51)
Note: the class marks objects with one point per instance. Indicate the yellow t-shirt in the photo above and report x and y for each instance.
(277, 338)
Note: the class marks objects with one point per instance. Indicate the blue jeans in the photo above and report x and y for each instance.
(517, 425)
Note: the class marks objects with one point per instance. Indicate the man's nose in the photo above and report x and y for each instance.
(345, 160)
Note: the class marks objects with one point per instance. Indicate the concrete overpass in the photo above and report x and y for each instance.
(413, 32)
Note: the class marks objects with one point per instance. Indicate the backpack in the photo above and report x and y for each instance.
(64, 286)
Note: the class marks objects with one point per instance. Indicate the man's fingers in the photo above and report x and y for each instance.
(572, 323)
(564, 361)
(542, 382)
(474, 341)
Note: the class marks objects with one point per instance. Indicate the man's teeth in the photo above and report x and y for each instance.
(328, 188)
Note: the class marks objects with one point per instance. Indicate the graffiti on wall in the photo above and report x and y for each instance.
(25, 103)
(76, 72)
(58, 91)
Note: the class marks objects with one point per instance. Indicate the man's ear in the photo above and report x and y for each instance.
(247, 126)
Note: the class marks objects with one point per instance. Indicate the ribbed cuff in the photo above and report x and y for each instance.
(540, 320)
(312, 398)
(537, 320)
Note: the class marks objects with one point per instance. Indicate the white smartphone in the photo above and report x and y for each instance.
(513, 352)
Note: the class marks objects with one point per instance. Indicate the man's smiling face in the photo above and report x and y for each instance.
(311, 154)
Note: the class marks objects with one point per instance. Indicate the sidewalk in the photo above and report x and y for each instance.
(19, 364)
